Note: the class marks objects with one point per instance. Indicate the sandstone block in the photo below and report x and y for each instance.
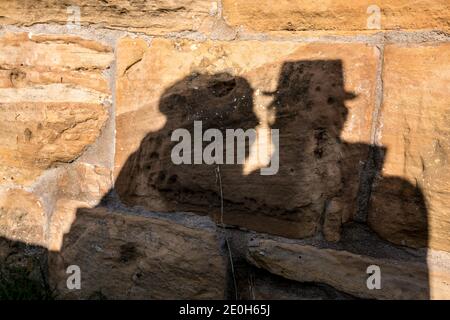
(336, 16)
(414, 278)
(152, 17)
(410, 202)
(22, 217)
(52, 101)
(123, 256)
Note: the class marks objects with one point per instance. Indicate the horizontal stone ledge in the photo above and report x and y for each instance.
(151, 17)
(336, 16)
(404, 275)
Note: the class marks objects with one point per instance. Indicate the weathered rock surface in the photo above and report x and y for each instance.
(326, 15)
(258, 284)
(124, 256)
(153, 17)
(265, 287)
(414, 129)
(414, 278)
(52, 101)
(23, 271)
(60, 223)
(37, 59)
(225, 85)
(84, 182)
(22, 217)
(79, 186)
(339, 202)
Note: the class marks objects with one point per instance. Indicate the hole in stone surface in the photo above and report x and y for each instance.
(330, 100)
(173, 178)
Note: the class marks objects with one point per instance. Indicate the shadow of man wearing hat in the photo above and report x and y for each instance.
(316, 187)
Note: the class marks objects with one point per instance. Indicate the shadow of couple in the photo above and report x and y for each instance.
(321, 181)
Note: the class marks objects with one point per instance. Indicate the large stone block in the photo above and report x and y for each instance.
(125, 256)
(152, 17)
(320, 97)
(336, 16)
(418, 276)
(53, 93)
(411, 200)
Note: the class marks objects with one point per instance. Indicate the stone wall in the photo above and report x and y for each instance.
(90, 92)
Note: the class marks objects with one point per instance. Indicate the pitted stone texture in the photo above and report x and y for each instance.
(411, 201)
(52, 101)
(123, 256)
(319, 96)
